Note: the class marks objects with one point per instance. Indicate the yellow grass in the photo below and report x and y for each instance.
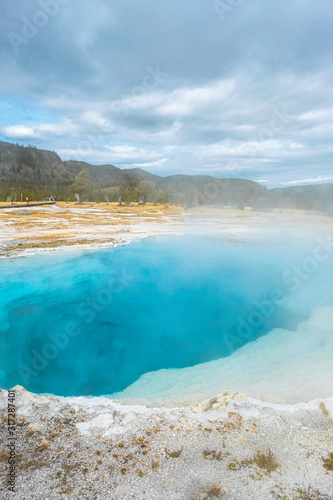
(68, 224)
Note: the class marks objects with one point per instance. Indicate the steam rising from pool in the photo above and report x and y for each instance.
(170, 318)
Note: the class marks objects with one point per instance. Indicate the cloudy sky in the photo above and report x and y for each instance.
(230, 88)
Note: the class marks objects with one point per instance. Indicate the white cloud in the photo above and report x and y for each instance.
(311, 180)
(43, 130)
(184, 101)
(18, 132)
(196, 128)
(315, 115)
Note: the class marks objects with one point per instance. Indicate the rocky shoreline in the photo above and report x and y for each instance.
(231, 447)
(67, 226)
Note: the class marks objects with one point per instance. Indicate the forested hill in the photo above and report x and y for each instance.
(44, 173)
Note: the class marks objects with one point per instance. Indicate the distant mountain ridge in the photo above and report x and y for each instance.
(28, 166)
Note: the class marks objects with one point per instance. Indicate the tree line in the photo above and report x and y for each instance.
(84, 190)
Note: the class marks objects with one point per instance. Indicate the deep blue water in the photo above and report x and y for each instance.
(166, 302)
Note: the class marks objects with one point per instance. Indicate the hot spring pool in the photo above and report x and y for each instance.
(93, 323)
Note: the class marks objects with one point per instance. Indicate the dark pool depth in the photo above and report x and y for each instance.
(93, 323)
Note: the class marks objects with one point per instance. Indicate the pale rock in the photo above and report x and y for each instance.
(326, 407)
(101, 422)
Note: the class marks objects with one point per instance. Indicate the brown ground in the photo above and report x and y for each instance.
(24, 229)
(68, 224)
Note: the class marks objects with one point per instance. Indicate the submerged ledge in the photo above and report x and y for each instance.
(169, 435)
(284, 367)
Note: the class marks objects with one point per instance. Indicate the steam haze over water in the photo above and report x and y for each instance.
(200, 88)
(161, 303)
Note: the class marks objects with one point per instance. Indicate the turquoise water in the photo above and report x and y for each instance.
(92, 323)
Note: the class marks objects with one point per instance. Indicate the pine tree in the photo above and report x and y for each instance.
(82, 185)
